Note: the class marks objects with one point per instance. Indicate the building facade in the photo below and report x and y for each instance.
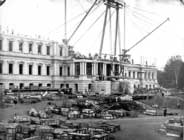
(26, 62)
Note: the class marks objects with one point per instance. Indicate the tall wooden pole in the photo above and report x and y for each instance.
(103, 32)
(116, 33)
(65, 20)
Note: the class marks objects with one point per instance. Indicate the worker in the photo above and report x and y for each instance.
(178, 105)
(165, 111)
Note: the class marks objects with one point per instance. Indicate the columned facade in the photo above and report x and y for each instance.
(32, 61)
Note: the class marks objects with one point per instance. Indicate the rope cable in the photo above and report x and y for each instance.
(80, 4)
(100, 33)
(89, 27)
(110, 29)
(70, 20)
(144, 11)
(83, 19)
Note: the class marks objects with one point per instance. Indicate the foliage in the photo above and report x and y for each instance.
(181, 77)
(169, 77)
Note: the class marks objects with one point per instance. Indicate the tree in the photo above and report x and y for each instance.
(181, 77)
(169, 77)
(161, 78)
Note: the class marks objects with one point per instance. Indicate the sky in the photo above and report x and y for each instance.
(46, 18)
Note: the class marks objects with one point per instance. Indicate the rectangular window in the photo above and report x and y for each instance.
(61, 86)
(40, 85)
(39, 49)
(77, 68)
(10, 45)
(48, 70)
(1, 68)
(20, 68)
(89, 69)
(30, 47)
(67, 85)
(48, 50)
(30, 69)
(11, 85)
(100, 68)
(20, 46)
(61, 51)
(134, 75)
(129, 74)
(39, 70)
(68, 71)
(48, 85)
(10, 68)
(1, 45)
(21, 85)
(60, 71)
(152, 75)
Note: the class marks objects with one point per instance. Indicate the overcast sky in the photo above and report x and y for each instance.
(46, 18)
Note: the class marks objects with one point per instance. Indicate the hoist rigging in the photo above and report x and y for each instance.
(117, 5)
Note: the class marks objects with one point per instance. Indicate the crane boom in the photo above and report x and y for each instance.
(147, 35)
(125, 51)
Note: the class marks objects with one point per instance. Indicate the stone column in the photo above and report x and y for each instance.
(81, 68)
(85, 68)
(25, 69)
(35, 69)
(96, 68)
(93, 65)
(145, 75)
(65, 67)
(112, 71)
(148, 75)
(5, 67)
(120, 70)
(104, 69)
(5, 44)
(155, 75)
(72, 68)
(130, 72)
(135, 74)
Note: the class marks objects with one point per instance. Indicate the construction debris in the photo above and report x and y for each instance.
(173, 127)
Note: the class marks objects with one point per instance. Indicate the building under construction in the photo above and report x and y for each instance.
(29, 62)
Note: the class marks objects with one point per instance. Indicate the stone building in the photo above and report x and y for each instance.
(27, 61)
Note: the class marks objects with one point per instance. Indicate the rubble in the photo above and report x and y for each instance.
(173, 127)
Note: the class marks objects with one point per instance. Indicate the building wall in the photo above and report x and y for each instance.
(138, 75)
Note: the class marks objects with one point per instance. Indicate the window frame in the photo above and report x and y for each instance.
(30, 70)
(21, 46)
(1, 68)
(39, 70)
(10, 46)
(48, 70)
(21, 69)
(48, 50)
(10, 71)
(60, 71)
(1, 44)
(40, 48)
(30, 47)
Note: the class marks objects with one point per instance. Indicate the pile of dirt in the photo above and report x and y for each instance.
(127, 105)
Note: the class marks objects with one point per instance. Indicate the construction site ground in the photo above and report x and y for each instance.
(141, 128)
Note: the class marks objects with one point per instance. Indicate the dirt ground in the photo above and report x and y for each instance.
(145, 128)
(141, 128)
